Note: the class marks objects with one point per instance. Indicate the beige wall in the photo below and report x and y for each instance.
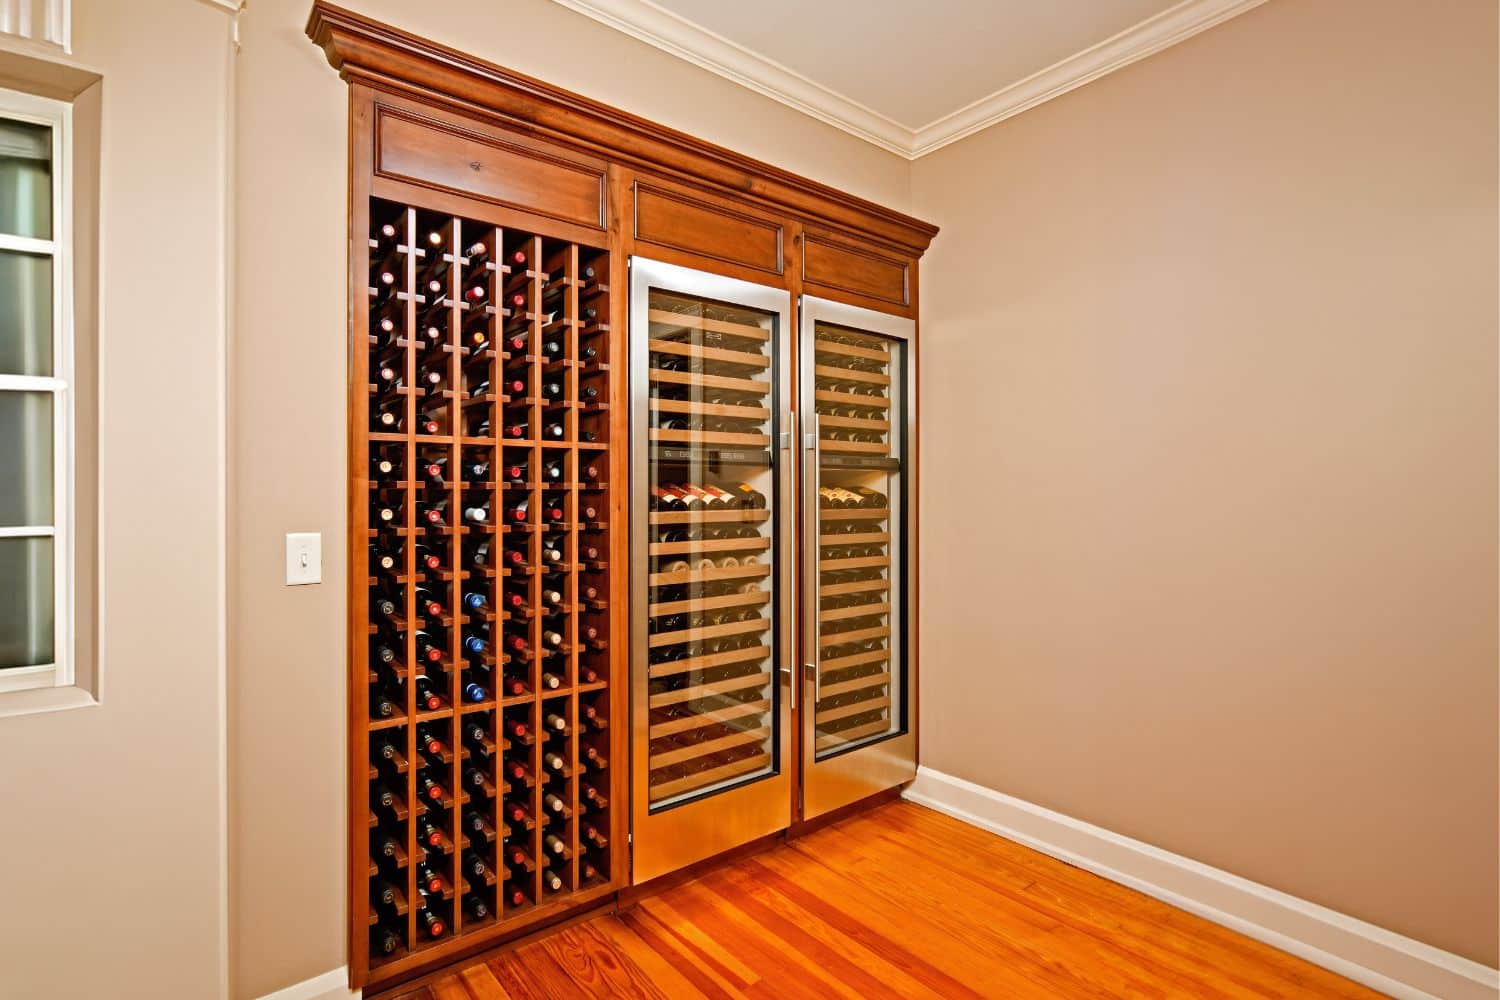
(110, 816)
(1227, 321)
(287, 644)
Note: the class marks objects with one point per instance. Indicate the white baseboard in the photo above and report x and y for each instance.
(331, 985)
(1378, 958)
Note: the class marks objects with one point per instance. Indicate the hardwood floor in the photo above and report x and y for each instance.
(898, 902)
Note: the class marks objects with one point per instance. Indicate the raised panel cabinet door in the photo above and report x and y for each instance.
(699, 225)
(511, 171)
(860, 273)
(858, 392)
(710, 564)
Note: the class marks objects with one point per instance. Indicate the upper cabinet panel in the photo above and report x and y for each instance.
(673, 218)
(510, 170)
(856, 272)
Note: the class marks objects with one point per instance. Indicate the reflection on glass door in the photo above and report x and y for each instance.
(710, 565)
(857, 392)
(857, 398)
(711, 618)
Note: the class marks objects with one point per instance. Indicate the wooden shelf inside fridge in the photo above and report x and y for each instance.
(696, 409)
(854, 538)
(834, 663)
(714, 717)
(854, 447)
(849, 399)
(881, 354)
(853, 514)
(749, 386)
(878, 584)
(752, 599)
(853, 423)
(733, 439)
(863, 562)
(720, 355)
(756, 544)
(742, 515)
(857, 684)
(831, 740)
(856, 635)
(703, 779)
(753, 571)
(850, 375)
(856, 708)
(751, 627)
(748, 682)
(728, 658)
(708, 748)
(856, 611)
(687, 321)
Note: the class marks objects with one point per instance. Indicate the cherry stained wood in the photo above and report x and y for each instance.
(517, 173)
(899, 901)
(367, 51)
(865, 275)
(677, 218)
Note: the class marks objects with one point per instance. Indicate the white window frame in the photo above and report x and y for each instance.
(58, 115)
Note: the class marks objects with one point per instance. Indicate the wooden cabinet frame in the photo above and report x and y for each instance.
(437, 128)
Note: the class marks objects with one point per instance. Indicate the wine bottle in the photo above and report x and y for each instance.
(431, 923)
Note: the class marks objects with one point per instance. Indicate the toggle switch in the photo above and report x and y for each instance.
(304, 558)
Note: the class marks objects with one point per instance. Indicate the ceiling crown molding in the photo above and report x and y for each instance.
(1173, 25)
(671, 33)
(686, 40)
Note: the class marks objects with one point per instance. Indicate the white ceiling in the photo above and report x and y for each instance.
(912, 75)
(916, 62)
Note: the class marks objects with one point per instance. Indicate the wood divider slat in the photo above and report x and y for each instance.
(709, 660)
(856, 611)
(687, 321)
(856, 708)
(703, 779)
(719, 602)
(857, 684)
(708, 748)
(719, 354)
(749, 682)
(757, 544)
(839, 738)
(700, 438)
(697, 409)
(740, 710)
(849, 399)
(750, 386)
(850, 375)
(853, 514)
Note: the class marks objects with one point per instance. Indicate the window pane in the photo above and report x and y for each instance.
(25, 459)
(25, 179)
(25, 602)
(25, 314)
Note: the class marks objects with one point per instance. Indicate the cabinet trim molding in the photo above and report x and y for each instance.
(387, 58)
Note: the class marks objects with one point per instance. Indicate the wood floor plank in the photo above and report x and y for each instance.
(1240, 964)
(596, 968)
(899, 902)
(482, 984)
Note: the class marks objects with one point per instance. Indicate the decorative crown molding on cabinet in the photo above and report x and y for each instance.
(389, 59)
(667, 31)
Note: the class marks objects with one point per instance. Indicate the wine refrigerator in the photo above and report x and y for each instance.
(770, 677)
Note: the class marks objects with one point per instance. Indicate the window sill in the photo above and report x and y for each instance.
(39, 700)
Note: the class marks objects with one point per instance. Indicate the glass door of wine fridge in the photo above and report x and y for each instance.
(711, 576)
(858, 393)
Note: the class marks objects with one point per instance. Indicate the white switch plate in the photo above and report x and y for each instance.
(304, 558)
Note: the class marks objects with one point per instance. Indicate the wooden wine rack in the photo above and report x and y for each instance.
(484, 704)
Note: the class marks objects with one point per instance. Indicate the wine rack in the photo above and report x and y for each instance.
(857, 378)
(484, 654)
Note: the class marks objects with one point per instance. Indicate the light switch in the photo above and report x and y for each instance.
(304, 558)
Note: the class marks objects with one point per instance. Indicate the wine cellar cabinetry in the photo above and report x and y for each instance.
(483, 450)
(631, 493)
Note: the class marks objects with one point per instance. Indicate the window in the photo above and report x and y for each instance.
(36, 403)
